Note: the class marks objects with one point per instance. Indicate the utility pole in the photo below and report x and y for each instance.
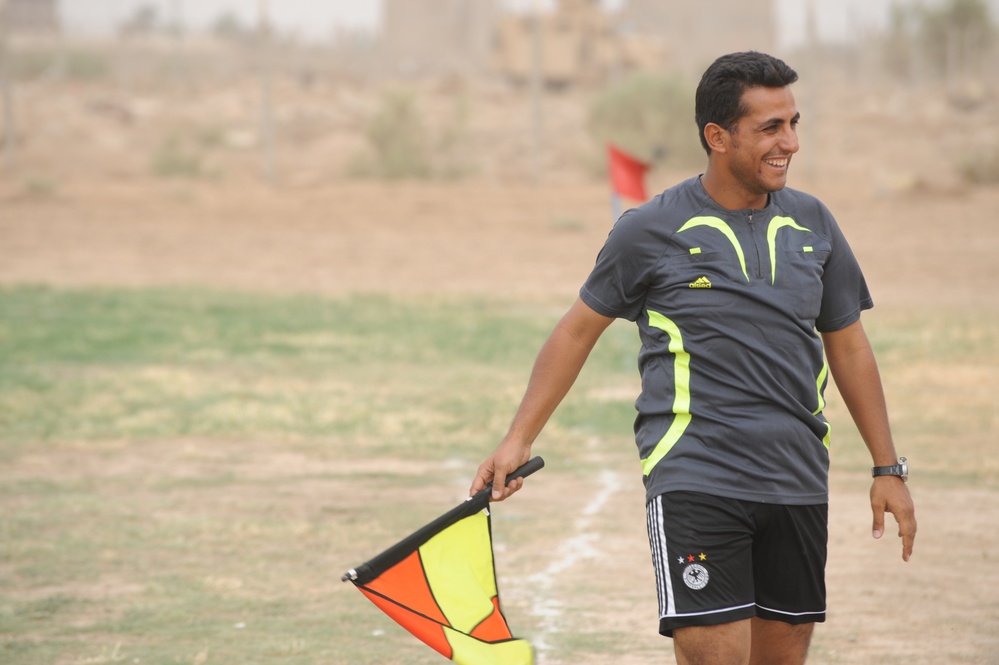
(812, 86)
(266, 113)
(6, 93)
(178, 38)
(537, 93)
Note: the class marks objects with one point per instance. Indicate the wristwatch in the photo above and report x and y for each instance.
(901, 470)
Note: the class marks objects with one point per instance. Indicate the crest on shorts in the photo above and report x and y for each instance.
(695, 576)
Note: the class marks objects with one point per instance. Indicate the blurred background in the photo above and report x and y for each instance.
(273, 274)
(303, 93)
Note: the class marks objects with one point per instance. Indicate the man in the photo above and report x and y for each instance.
(741, 289)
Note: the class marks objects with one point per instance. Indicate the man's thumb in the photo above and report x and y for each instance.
(879, 525)
(499, 482)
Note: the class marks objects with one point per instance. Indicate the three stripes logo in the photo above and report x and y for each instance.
(702, 282)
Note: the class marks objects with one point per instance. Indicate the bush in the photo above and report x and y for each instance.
(174, 159)
(948, 38)
(650, 116)
(40, 187)
(398, 141)
(76, 64)
(956, 35)
(981, 168)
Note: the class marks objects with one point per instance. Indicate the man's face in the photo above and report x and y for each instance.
(764, 140)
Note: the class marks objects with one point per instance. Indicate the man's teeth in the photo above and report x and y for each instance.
(779, 163)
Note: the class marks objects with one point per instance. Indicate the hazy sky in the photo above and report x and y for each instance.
(838, 20)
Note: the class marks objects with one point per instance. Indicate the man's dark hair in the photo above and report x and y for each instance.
(719, 94)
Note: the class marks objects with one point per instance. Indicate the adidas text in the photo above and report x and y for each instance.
(701, 283)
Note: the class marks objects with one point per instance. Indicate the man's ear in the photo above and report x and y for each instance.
(717, 137)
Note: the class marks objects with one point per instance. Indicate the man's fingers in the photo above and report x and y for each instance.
(905, 515)
(907, 532)
(499, 485)
(504, 489)
(878, 528)
(483, 475)
(478, 484)
(894, 499)
(496, 470)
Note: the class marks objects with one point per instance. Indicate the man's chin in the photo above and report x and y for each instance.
(778, 185)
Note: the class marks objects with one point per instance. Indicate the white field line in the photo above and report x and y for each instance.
(581, 546)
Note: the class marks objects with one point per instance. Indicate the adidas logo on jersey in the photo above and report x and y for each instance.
(701, 283)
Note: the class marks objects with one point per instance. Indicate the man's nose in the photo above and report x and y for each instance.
(789, 140)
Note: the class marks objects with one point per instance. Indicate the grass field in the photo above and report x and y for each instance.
(182, 459)
(186, 473)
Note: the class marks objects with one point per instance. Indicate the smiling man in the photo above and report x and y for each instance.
(741, 289)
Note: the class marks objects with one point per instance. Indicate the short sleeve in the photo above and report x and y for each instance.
(844, 290)
(617, 285)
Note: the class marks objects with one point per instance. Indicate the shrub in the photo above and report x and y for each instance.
(949, 38)
(175, 160)
(650, 116)
(981, 168)
(397, 137)
(76, 64)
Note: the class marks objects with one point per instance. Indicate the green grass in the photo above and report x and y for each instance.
(368, 375)
(186, 473)
(940, 376)
(152, 365)
(141, 519)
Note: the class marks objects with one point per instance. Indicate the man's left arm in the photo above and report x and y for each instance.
(855, 372)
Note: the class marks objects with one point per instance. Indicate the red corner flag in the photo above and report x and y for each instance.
(627, 174)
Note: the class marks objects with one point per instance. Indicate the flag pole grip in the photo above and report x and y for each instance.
(393, 555)
(522, 471)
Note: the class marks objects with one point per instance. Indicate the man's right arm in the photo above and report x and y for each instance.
(555, 370)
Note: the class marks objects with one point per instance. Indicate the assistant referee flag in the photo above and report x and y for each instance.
(440, 585)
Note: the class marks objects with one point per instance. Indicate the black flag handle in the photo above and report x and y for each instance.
(393, 555)
(522, 471)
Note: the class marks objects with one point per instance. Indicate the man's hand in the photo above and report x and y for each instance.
(889, 494)
(504, 460)
(555, 369)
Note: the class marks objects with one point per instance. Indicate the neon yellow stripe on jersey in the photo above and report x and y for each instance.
(720, 226)
(776, 224)
(681, 401)
(820, 383)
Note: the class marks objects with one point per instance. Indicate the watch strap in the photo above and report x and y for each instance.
(901, 470)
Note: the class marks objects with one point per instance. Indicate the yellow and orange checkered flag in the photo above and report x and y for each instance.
(440, 585)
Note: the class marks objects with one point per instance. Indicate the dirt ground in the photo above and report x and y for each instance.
(74, 214)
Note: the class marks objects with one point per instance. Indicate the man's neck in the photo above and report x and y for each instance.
(729, 194)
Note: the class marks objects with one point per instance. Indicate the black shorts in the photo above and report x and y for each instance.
(720, 560)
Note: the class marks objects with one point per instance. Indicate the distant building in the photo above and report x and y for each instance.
(693, 34)
(30, 16)
(574, 44)
(421, 37)
(580, 41)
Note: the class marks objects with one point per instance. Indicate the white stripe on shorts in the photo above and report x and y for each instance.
(657, 543)
(790, 614)
(660, 561)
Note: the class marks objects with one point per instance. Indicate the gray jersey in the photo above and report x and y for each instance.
(728, 305)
